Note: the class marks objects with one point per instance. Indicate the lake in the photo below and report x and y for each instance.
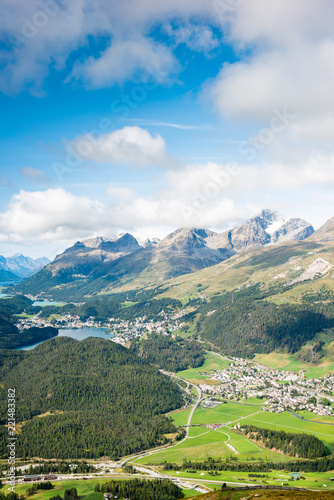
(78, 334)
(47, 303)
(41, 303)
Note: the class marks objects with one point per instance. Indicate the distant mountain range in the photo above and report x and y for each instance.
(18, 266)
(104, 265)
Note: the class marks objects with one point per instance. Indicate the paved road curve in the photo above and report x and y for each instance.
(150, 452)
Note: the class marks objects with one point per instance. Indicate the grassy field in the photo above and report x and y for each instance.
(289, 362)
(317, 481)
(85, 489)
(203, 442)
(212, 362)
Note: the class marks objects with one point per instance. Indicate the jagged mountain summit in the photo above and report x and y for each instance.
(103, 264)
(19, 266)
(267, 228)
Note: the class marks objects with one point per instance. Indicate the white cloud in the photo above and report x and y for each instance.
(286, 54)
(299, 79)
(196, 37)
(54, 214)
(139, 58)
(38, 35)
(129, 145)
(211, 195)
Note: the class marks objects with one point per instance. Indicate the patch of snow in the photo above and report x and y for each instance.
(274, 226)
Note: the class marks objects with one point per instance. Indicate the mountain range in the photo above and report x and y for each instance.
(104, 265)
(18, 266)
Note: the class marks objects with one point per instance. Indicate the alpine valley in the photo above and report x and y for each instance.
(217, 359)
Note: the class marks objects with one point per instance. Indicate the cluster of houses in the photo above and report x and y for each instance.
(123, 331)
(126, 330)
(281, 389)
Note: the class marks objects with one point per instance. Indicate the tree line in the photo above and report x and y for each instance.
(294, 444)
(139, 489)
(233, 464)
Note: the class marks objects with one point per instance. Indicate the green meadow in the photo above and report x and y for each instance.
(212, 362)
(295, 362)
(313, 480)
(224, 442)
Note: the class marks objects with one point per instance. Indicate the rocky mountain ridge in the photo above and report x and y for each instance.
(19, 266)
(101, 264)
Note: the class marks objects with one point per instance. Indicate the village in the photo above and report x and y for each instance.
(280, 390)
(243, 379)
(122, 331)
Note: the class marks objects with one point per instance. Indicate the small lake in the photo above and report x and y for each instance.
(78, 334)
(47, 303)
(41, 303)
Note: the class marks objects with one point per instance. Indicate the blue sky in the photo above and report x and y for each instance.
(145, 116)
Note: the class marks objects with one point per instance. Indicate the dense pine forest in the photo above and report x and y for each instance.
(115, 306)
(296, 445)
(245, 323)
(95, 399)
(171, 354)
(138, 489)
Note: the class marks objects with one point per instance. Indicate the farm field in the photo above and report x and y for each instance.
(224, 442)
(289, 362)
(212, 362)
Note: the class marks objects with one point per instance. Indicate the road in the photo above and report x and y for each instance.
(199, 399)
(148, 470)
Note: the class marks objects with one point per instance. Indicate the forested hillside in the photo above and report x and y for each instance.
(10, 336)
(252, 324)
(105, 400)
(171, 354)
(115, 306)
(138, 489)
(300, 445)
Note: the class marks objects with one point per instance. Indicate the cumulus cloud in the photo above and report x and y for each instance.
(41, 34)
(289, 60)
(211, 195)
(54, 214)
(129, 145)
(124, 59)
(300, 80)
